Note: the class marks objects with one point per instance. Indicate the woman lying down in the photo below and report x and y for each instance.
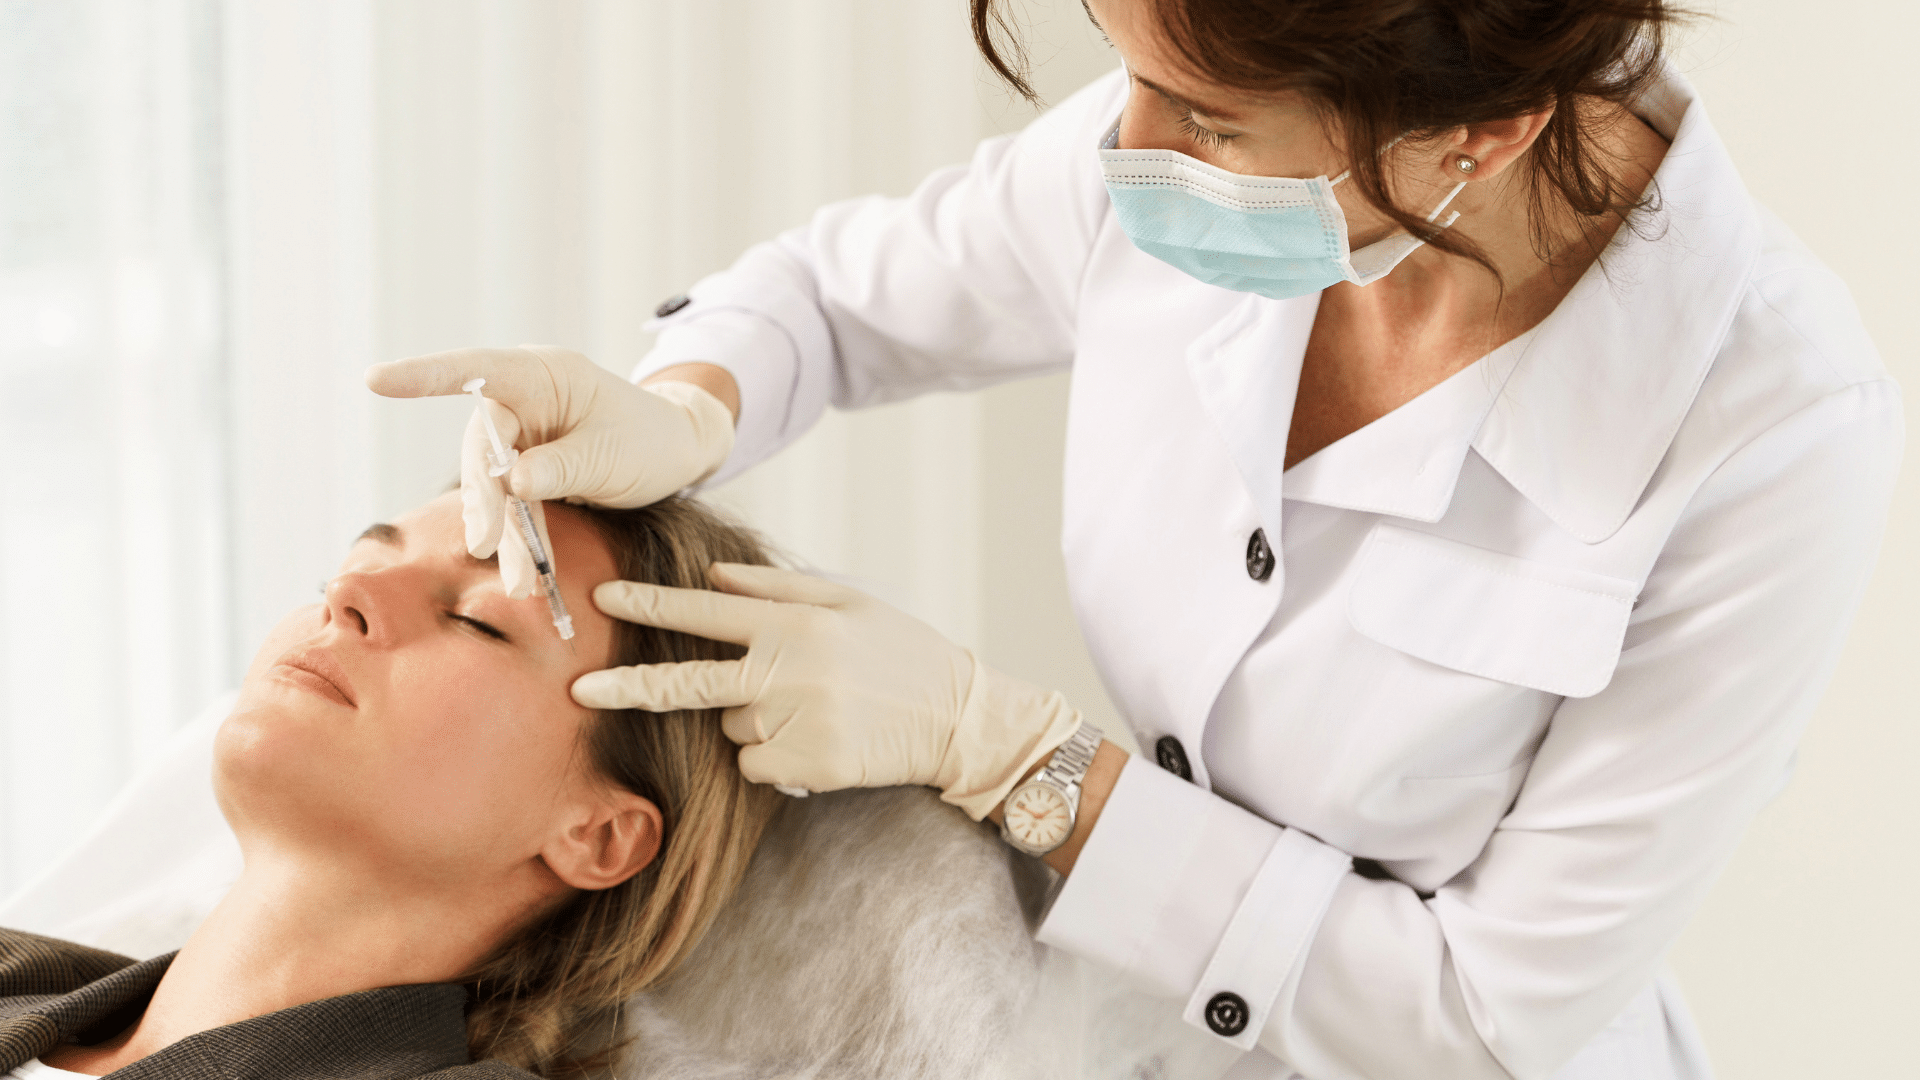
(450, 868)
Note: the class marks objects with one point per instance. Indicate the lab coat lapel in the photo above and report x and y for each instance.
(1246, 371)
(1157, 511)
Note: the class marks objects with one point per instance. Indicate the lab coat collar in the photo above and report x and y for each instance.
(1407, 463)
(1576, 414)
(1602, 388)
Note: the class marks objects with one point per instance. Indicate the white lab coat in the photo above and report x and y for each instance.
(1538, 644)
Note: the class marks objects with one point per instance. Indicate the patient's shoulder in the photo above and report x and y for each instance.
(31, 964)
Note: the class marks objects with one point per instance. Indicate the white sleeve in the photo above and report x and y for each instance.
(971, 280)
(1633, 804)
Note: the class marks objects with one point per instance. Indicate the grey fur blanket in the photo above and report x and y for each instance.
(878, 934)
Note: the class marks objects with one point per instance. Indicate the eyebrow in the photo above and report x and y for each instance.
(1209, 111)
(381, 532)
(1190, 106)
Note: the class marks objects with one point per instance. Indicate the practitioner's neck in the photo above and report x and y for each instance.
(293, 931)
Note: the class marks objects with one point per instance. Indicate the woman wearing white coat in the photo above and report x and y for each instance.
(1471, 594)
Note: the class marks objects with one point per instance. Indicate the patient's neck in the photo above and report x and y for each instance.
(293, 931)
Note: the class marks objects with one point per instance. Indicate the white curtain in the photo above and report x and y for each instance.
(113, 439)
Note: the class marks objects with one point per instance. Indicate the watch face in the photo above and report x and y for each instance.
(1039, 817)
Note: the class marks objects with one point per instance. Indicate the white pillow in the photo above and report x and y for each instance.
(152, 867)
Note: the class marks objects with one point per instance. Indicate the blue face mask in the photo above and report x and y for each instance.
(1276, 236)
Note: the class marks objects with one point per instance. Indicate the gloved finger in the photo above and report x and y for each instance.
(745, 724)
(701, 612)
(775, 763)
(515, 376)
(518, 575)
(553, 470)
(763, 764)
(607, 466)
(483, 497)
(691, 684)
(775, 583)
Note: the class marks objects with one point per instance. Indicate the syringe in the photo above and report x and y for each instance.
(498, 462)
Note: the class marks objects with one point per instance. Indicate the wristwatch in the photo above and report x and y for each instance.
(1038, 816)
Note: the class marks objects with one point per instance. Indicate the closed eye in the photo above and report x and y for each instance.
(484, 628)
(1202, 135)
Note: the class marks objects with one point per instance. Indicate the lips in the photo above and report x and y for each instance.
(319, 672)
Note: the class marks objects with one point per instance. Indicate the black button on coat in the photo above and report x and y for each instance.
(1227, 1014)
(1172, 757)
(1259, 556)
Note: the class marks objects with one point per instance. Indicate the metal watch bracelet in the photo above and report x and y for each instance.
(1063, 772)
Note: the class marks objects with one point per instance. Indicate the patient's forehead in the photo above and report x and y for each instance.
(435, 531)
(438, 528)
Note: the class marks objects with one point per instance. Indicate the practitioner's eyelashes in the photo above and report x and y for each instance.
(1204, 136)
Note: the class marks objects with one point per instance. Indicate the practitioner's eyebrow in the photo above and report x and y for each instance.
(1210, 111)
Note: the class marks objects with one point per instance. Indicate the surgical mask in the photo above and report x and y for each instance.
(1277, 236)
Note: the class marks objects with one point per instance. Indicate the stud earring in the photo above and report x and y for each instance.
(1465, 164)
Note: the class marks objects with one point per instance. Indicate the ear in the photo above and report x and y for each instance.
(1492, 146)
(614, 836)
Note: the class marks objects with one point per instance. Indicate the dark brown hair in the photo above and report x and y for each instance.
(549, 1000)
(1378, 69)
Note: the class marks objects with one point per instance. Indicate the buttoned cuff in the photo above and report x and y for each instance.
(1261, 951)
(767, 340)
(1189, 896)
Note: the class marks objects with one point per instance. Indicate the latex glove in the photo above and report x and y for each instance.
(836, 690)
(584, 433)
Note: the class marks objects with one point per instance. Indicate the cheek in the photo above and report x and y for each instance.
(465, 737)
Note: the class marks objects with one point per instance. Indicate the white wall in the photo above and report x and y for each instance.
(1802, 962)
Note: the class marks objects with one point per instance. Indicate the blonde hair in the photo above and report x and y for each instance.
(549, 1000)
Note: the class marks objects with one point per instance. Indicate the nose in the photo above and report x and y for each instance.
(372, 604)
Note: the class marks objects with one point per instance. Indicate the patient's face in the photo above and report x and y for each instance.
(419, 719)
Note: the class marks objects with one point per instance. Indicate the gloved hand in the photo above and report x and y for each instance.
(584, 433)
(837, 689)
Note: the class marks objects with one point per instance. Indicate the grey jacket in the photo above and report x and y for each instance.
(54, 991)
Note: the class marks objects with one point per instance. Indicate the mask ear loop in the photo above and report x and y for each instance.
(1390, 145)
(1453, 217)
(1447, 224)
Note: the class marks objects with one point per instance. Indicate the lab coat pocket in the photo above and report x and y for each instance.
(1531, 624)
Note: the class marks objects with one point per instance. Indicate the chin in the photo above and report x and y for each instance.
(268, 760)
